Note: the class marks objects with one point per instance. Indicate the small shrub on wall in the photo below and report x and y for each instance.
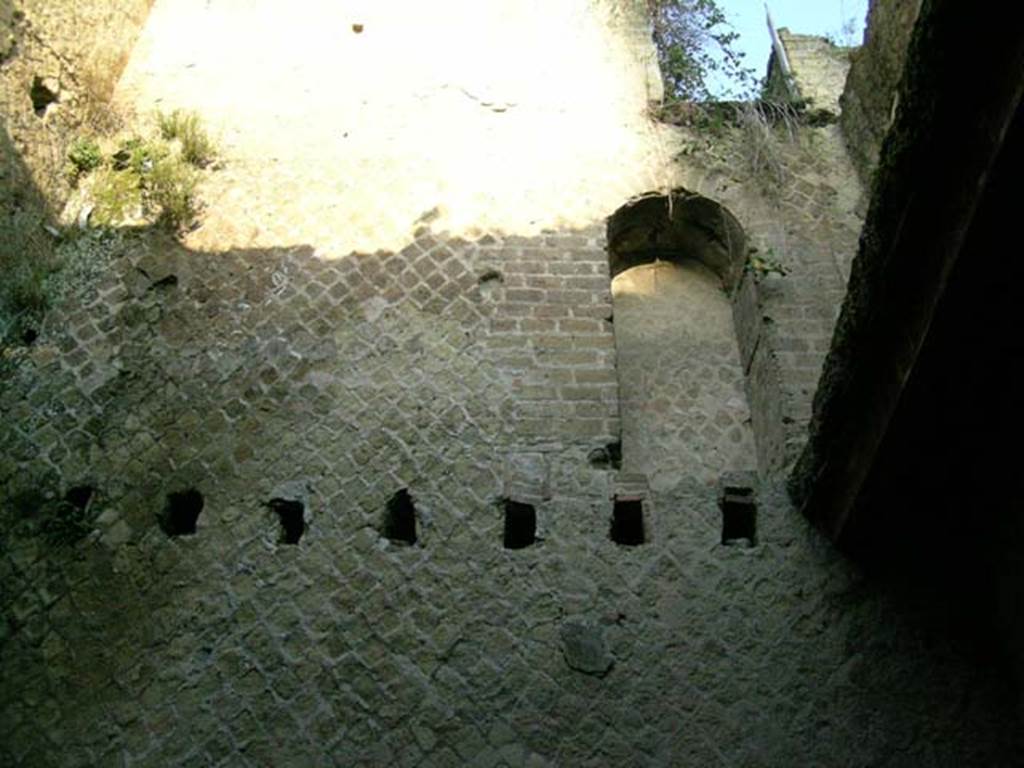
(695, 48)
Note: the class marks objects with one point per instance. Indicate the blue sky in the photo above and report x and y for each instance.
(809, 17)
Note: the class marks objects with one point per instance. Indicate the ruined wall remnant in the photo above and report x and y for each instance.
(819, 70)
(59, 62)
(792, 189)
(868, 103)
(910, 418)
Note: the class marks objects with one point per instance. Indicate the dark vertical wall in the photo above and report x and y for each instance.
(910, 464)
(945, 498)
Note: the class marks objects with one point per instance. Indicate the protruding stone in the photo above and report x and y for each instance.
(584, 648)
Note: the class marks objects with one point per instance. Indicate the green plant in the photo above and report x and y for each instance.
(764, 265)
(146, 177)
(169, 187)
(117, 197)
(136, 154)
(197, 147)
(695, 45)
(84, 155)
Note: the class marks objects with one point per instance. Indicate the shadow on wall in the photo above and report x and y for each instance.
(27, 250)
(17, 190)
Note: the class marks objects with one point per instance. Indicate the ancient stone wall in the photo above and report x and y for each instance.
(819, 69)
(59, 62)
(868, 103)
(339, 387)
(267, 500)
(796, 196)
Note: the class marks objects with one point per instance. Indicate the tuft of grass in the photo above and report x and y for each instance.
(765, 264)
(146, 177)
(84, 155)
(197, 148)
(117, 197)
(766, 128)
(170, 188)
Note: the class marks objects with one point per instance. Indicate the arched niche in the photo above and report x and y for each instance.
(683, 405)
(679, 225)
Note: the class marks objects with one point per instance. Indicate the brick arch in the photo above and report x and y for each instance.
(683, 410)
(677, 226)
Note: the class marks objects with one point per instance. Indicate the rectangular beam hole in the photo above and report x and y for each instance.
(400, 518)
(739, 518)
(520, 525)
(628, 522)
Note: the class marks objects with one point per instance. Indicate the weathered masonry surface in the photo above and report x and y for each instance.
(380, 505)
(54, 56)
(869, 101)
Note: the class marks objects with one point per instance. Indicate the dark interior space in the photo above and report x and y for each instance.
(941, 512)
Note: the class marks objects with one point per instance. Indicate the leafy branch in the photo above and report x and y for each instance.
(695, 44)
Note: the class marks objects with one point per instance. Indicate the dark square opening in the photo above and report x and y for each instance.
(628, 522)
(739, 518)
(291, 513)
(42, 97)
(79, 496)
(400, 518)
(180, 512)
(520, 525)
(608, 456)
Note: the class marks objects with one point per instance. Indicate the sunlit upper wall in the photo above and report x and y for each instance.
(506, 116)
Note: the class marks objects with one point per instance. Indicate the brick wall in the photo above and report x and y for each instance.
(819, 69)
(463, 370)
(253, 373)
(551, 334)
(800, 212)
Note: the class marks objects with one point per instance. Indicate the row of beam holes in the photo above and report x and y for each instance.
(739, 519)
(182, 509)
(739, 511)
(400, 522)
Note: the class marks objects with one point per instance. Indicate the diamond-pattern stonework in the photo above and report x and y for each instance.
(228, 648)
(424, 305)
(684, 409)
